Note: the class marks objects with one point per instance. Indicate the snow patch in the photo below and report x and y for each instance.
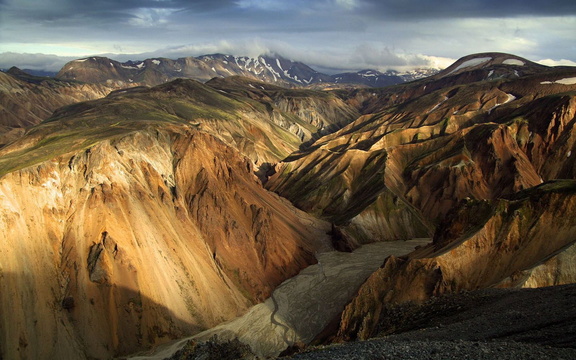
(568, 154)
(510, 98)
(156, 62)
(213, 69)
(437, 105)
(462, 164)
(471, 62)
(565, 81)
(275, 74)
(80, 60)
(513, 62)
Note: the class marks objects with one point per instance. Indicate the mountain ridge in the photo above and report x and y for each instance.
(268, 68)
(141, 217)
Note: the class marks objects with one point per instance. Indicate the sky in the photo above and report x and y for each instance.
(329, 35)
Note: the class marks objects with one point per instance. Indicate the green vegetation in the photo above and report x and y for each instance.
(561, 186)
(182, 102)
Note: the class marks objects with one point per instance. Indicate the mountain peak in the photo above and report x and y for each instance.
(490, 61)
(17, 71)
(270, 67)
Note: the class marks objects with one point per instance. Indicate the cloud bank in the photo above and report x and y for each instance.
(330, 34)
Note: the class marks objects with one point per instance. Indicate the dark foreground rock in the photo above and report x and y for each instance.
(484, 324)
(459, 349)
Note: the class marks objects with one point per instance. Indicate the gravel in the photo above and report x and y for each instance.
(398, 350)
(484, 324)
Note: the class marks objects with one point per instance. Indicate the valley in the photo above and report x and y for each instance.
(171, 209)
(302, 306)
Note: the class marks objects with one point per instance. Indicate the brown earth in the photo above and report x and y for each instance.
(138, 239)
(525, 241)
(26, 100)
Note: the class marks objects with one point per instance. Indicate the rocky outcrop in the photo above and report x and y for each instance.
(114, 241)
(482, 244)
(462, 155)
(137, 218)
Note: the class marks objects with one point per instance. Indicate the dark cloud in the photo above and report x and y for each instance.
(100, 10)
(346, 34)
(33, 61)
(425, 9)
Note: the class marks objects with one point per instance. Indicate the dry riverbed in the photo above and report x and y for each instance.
(302, 306)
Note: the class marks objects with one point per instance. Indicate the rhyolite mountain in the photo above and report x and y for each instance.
(479, 157)
(26, 100)
(420, 148)
(268, 68)
(139, 218)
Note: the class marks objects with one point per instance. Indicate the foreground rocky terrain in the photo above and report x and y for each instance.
(483, 324)
(153, 214)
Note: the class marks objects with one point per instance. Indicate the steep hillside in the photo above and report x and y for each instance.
(395, 172)
(324, 111)
(26, 100)
(516, 242)
(255, 125)
(461, 155)
(127, 222)
(141, 217)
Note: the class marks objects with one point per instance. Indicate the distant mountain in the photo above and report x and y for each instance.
(375, 78)
(41, 72)
(267, 68)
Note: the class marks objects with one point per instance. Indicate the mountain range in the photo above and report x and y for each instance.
(268, 68)
(151, 213)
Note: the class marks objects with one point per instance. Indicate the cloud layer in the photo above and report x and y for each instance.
(329, 34)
